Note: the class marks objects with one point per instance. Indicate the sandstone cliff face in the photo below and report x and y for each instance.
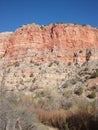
(58, 41)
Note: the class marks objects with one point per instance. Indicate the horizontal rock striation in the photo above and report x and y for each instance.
(44, 43)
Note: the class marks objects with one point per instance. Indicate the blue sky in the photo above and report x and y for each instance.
(14, 13)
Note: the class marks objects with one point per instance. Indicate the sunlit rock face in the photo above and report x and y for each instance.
(44, 43)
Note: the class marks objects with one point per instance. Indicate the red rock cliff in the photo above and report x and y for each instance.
(55, 40)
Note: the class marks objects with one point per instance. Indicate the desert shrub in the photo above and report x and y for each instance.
(23, 75)
(67, 93)
(15, 114)
(69, 63)
(66, 105)
(31, 75)
(94, 74)
(80, 73)
(86, 78)
(56, 62)
(12, 99)
(80, 51)
(37, 64)
(92, 94)
(40, 68)
(40, 94)
(97, 72)
(64, 85)
(8, 71)
(50, 64)
(34, 80)
(17, 64)
(94, 87)
(86, 69)
(83, 24)
(79, 91)
(42, 27)
(31, 61)
(73, 81)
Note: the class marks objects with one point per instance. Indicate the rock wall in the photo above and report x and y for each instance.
(54, 41)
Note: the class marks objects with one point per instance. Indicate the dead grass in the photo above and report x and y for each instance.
(56, 118)
(83, 119)
(79, 120)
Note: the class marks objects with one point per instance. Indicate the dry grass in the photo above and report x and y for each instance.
(55, 118)
(80, 120)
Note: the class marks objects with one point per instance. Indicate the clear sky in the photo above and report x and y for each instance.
(14, 13)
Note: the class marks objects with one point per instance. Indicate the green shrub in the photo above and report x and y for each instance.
(86, 69)
(92, 95)
(40, 94)
(73, 81)
(79, 91)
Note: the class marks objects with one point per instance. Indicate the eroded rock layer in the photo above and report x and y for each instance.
(44, 43)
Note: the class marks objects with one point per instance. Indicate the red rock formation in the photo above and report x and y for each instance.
(58, 40)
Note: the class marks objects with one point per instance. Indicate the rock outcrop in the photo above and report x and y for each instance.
(36, 57)
(54, 41)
